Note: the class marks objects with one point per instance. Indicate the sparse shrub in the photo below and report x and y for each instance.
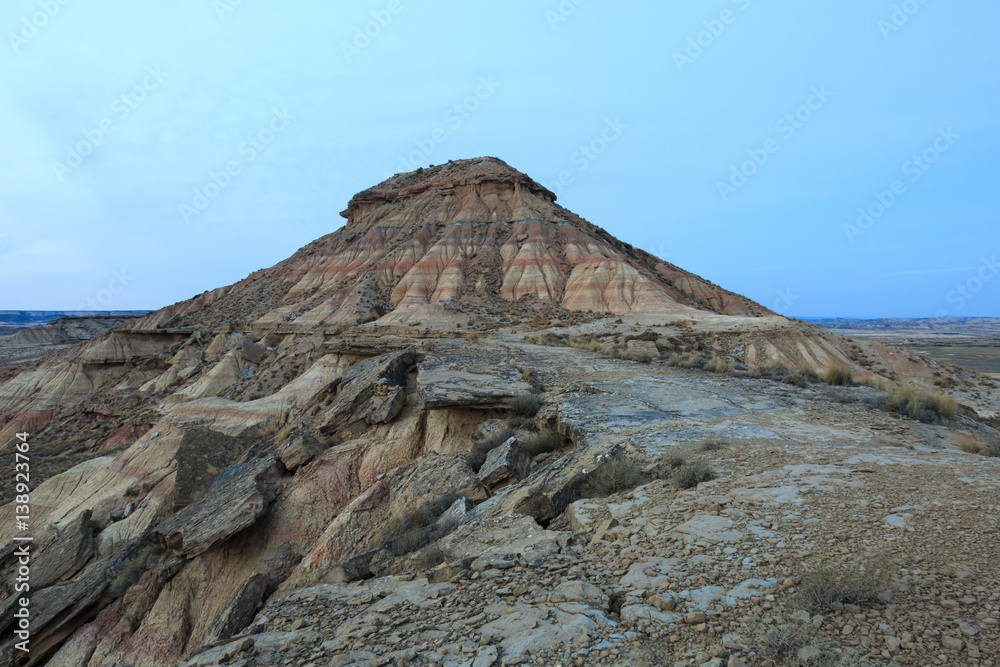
(773, 368)
(410, 541)
(481, 448)
(711, 444)
(797, 379)
(428, 558)
(525, 405)
(782, 642)
(838, 375)
(613, 476)
(970, 442)
(542, 442)
(522, 423)
(919, 403)
(692, 474)
(672, 461)
(474, 337)
(886, 441)
(862, 584)
(719, 365)
(402, 528)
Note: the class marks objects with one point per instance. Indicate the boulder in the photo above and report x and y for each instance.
(66, 554)
(432, 476)
(239, 496)
(358, 402)
(300, 451)
(505, 464)
(202, 455)
(252, 352)
(240, 610)
(454, 515)
(504, 537)
(455, 380)
(385, 408)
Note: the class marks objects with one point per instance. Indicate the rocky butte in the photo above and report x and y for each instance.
(470, 428)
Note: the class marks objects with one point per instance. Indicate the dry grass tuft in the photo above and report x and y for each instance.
(719, 365)
(711, 444)
(525, 405)
(773, 368)
(612, 477)
(970, 442)
(919, 403)
(782, 642)
(542, 442)
(692, 474)
(838, 375)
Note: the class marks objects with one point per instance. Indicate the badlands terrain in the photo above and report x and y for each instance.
(29, 340)
(470, 428)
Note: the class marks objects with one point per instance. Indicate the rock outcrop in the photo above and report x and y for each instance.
(443, 433)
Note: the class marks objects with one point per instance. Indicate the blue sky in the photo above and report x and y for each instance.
(152, 151)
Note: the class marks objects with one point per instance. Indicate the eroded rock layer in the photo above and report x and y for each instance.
(385, 404)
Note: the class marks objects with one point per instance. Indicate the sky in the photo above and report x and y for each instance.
(833, 159)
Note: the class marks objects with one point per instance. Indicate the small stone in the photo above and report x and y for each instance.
(952, 643)
(694, 618)
(809, 654)
(968, 629)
